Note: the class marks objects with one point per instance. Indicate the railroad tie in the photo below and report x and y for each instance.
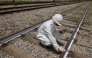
(76, 55)
(15, 51)
(82, 43)
(30, 39)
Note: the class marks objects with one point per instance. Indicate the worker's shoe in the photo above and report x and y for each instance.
(61, 49)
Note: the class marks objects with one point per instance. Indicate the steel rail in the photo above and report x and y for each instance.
(29, 29)
(73, 37)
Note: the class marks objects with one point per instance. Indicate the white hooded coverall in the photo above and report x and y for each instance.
(47, 34)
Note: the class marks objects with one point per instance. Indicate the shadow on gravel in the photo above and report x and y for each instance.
(50, 48)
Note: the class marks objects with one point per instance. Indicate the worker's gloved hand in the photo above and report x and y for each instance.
(62, 31)
(61, 49)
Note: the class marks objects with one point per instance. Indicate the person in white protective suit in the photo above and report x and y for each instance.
(47, 32)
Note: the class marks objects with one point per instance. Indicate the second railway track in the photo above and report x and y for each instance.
(6, 10)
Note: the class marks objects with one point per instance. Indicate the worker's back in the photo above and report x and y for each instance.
(45, 27)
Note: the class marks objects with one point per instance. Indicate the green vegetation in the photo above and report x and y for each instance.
(91, 32)
(58, 11)
(40, 16)
(75, 19)
(87, 23)
(89, 15)
(31, 23)
(55, 12)
(65, 9)
(16, 28)
(2, 33)
(80, 13)
(91, 4)
(34, 21)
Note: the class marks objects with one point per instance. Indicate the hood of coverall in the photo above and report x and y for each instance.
(57, 18)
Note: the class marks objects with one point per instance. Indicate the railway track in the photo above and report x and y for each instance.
(5, 10)
(34, 48)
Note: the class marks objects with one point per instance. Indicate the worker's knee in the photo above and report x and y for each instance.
(46, 43)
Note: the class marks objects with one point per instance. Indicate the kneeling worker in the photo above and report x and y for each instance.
(46, 30)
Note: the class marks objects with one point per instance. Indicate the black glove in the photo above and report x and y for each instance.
(62, 31)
